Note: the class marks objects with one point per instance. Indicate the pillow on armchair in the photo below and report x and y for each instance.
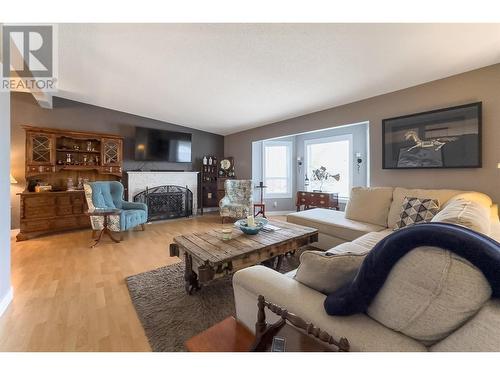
(238, 199)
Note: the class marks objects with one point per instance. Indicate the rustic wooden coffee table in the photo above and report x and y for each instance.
(208, 257)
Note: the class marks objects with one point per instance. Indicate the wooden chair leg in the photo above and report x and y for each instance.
(94, 233)
(222, 217)
(143, 227)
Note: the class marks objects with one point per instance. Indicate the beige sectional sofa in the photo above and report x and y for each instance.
(432, 300)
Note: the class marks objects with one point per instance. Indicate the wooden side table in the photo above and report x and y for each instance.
(312, 199)
(232, 336)
(105, 213)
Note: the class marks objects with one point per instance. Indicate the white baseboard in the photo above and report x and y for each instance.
(6, 300)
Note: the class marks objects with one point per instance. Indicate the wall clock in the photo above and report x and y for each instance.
(225, 164)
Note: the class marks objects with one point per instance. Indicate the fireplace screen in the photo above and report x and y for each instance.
(167, 202)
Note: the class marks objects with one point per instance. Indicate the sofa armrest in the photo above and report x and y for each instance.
(134, 206)
(326, 272)
(363, 333)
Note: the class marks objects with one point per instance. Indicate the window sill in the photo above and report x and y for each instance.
(278, 197)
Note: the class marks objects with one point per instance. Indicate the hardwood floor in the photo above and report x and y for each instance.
(70, 297)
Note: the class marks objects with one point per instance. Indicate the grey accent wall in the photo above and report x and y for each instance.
(477, 85)
(71, 115)
(5, 284)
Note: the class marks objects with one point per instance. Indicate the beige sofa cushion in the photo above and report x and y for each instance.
(479, 334)
(429, 293)
(333, 223)
(361, 244)
(494, 212)
(442, 195)
(467, 213)
(369, 204)
(326, 272)
(473, 196)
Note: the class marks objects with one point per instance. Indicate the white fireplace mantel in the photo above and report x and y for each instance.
(139, 181)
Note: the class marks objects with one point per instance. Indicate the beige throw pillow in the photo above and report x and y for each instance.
(472, 215)
(369, 205)
(326, 272)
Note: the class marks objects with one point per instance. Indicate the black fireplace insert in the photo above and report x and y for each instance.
(167, 202)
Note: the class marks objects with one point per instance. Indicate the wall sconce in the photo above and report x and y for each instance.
(12, 179)
(299, 163)
(359, 160)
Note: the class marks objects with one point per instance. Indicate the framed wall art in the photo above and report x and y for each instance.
(443, 138)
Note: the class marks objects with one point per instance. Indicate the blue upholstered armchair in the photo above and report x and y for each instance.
(238, 200)
(108, 194)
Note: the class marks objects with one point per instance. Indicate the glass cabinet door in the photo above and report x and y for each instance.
(111, 151)
(40, 149)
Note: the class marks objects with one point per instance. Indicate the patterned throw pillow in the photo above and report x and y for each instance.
(417, 211)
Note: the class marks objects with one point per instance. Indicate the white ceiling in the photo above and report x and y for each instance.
(224, 78)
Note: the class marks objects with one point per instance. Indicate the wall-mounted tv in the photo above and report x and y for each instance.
(161, 145)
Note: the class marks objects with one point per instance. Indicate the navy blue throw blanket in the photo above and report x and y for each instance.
(355, 297)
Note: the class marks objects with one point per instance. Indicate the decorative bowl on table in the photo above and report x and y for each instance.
(247, 229)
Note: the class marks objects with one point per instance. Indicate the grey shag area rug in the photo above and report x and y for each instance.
(169, 316)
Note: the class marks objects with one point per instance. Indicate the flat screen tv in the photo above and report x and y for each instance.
(161, 145)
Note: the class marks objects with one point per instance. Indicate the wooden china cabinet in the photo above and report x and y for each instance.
(53, 157)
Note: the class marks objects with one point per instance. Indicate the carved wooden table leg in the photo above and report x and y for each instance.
(105, 230)
(110, 234)
(98, 238)
(190, 277)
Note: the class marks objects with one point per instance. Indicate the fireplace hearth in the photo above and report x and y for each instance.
(166, 202)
